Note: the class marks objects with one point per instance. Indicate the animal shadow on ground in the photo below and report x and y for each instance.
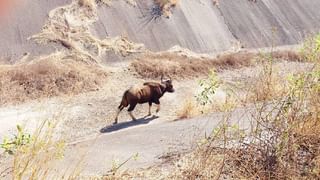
(127, 124)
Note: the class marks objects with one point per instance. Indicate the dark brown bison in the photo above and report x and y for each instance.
(149, 92)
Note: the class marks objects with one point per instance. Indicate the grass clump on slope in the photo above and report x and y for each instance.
(48, 76)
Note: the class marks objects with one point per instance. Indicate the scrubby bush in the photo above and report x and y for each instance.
(282, 142)
(47, 77)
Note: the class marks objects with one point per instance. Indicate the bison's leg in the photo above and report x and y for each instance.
(131, 108)
(123, 104)
(118, 112)
(158, 106)
(150, 104)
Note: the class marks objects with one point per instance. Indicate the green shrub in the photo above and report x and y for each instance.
(10, 146)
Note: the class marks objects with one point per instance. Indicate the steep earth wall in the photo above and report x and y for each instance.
(195, 24)
(26, 19)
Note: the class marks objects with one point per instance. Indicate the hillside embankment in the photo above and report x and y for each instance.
(197, 25)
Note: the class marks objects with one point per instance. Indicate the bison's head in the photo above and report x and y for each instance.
(168, 84)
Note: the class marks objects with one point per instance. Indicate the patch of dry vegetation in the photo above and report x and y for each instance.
(282, 142)
(269, 81)
(267, 85)
(288, 55)
(264, 88)
(87, 3)
(153, 65)
(188, 109)
(166, 6)
(283, 139)
(49, 76)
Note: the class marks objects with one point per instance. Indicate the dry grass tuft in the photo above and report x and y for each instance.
(47, 77)
(154, 65)
(189, 109)
(91, 4)
(166, 6)
(269, 83)
(266, 85)
(197, 165)
(288, 55)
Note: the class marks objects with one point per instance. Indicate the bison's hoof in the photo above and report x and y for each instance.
(149, 114)
(115, 123)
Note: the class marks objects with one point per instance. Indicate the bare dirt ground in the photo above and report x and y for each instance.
(85, 119)
(153, 143)
(87, 113)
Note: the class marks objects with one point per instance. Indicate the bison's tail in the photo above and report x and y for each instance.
(124, 101)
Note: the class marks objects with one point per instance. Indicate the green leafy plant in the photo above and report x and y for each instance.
(116, 165)
(22, 138)
(209, 87)
(311, 49)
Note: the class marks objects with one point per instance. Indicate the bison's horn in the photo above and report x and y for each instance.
(161, 78)
(170, 78)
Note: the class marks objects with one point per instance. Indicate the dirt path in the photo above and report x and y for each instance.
(153, 142)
